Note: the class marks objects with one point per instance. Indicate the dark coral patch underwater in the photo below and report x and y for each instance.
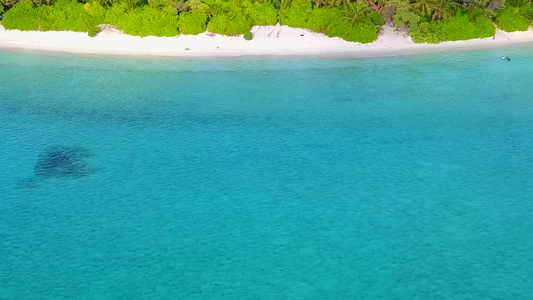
(62, 162)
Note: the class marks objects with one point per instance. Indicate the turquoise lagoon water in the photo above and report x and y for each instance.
(390, 178)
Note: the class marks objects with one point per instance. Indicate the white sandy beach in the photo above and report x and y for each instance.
(268, 40)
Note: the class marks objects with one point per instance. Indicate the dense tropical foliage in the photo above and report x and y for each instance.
(430, 21)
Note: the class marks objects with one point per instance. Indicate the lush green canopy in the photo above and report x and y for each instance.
(429, 21)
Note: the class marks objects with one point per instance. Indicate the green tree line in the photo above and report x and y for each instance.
(430, 21)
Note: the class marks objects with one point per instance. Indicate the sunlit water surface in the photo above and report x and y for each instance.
(390, 178)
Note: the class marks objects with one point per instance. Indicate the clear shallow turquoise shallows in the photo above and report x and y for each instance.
(391, 178)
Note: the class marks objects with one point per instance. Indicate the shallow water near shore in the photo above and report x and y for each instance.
(392, 178)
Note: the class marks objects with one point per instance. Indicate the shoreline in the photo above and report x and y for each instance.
(268, 41)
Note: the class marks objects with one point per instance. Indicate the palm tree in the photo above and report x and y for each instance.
(424, 7)
(356, 13)
(443, 9)
(474, 12)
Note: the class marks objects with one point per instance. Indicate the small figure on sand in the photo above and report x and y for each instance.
(506, 58)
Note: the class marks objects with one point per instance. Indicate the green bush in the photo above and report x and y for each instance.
(514, 19)
(94, 31)
(275, 3)
(115, 13)
(330, 21)
(161, 3)
(376, 18)
(96, 11)
(406, 18)
(484, 28)
(320, 19)
(148, 21)
(158, 17)
(22, 16)
(192, 22)
(423, 34)
(297, 14)
(248, 36)
(261, 13)
(129, 4)
(461, 28)
(360, 33)
(456, 28)
(62, 15)
(229, 25)
(66, 15)
(164, 5)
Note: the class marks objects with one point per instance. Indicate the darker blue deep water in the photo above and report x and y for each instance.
(391, 178)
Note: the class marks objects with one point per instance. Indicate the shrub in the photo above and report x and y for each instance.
(462, 28)
(452, 29)
(514, 19)
(376, 18)
(405, 19)
(297, 14)
(148, 21)
(193, 22)
(161, 3)
(261, 13)
(229, 25)
(62, 15)
(197, 5)
(423, 34)
(96, 11)
(360, 33)
(320, 19)
(484, 28)
(22, 16)
(159, 18)
(248, 36)
(331, 22)
(129, 4)
(66, 15)
(115, 13)
(94, 31)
